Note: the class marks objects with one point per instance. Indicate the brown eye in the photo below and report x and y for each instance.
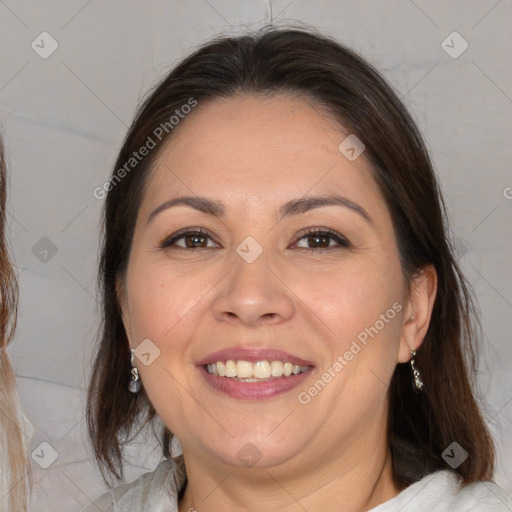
(321, 239)
(188, 240)
(193, 241)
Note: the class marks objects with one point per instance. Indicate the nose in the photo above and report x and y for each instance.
(253, 294)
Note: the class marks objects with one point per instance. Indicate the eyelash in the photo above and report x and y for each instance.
(310, 232)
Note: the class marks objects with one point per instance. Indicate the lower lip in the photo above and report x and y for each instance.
(254, 390)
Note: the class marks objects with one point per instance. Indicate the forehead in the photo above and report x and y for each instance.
(259, 147)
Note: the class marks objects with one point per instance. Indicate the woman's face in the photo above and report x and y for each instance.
(295, 262)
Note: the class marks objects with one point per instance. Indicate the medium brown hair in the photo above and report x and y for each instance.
(316, 67)
(13, 462)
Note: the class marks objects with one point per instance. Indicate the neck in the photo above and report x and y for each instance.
(358, 483)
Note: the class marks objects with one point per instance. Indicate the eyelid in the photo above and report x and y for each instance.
(171, 239)
(311, 231)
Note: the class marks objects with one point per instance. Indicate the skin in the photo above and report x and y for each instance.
(254, 154)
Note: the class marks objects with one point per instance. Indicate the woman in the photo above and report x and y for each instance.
(279, 290)
(13, 459)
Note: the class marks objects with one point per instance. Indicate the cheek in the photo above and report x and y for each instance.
(358, 311)
(164, 308)
(161, 302)
(349, 299)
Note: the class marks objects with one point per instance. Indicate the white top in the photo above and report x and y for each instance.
(438, 492)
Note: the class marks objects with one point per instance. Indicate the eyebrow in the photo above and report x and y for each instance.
(293, 207)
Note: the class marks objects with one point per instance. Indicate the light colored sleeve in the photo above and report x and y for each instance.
(441, 491)
(151, 492)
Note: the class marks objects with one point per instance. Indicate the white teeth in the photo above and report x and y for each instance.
(230, 368)
(254, 372)
(261, 370)
(243, 369)
(276, 368)
(221, 369)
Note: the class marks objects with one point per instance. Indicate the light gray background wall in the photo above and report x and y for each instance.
(64, 117)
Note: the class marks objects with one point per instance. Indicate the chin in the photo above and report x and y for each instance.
(253, 450)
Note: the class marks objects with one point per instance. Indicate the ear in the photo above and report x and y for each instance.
(121, 300)
(418, 311)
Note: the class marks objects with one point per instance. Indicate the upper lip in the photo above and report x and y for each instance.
(252, 355)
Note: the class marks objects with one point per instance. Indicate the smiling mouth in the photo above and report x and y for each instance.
(259, 371)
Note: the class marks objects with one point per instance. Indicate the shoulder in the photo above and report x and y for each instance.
(441, 492)
(156, 491)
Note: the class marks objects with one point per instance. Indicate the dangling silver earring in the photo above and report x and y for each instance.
(418, 383)
(135, 382)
